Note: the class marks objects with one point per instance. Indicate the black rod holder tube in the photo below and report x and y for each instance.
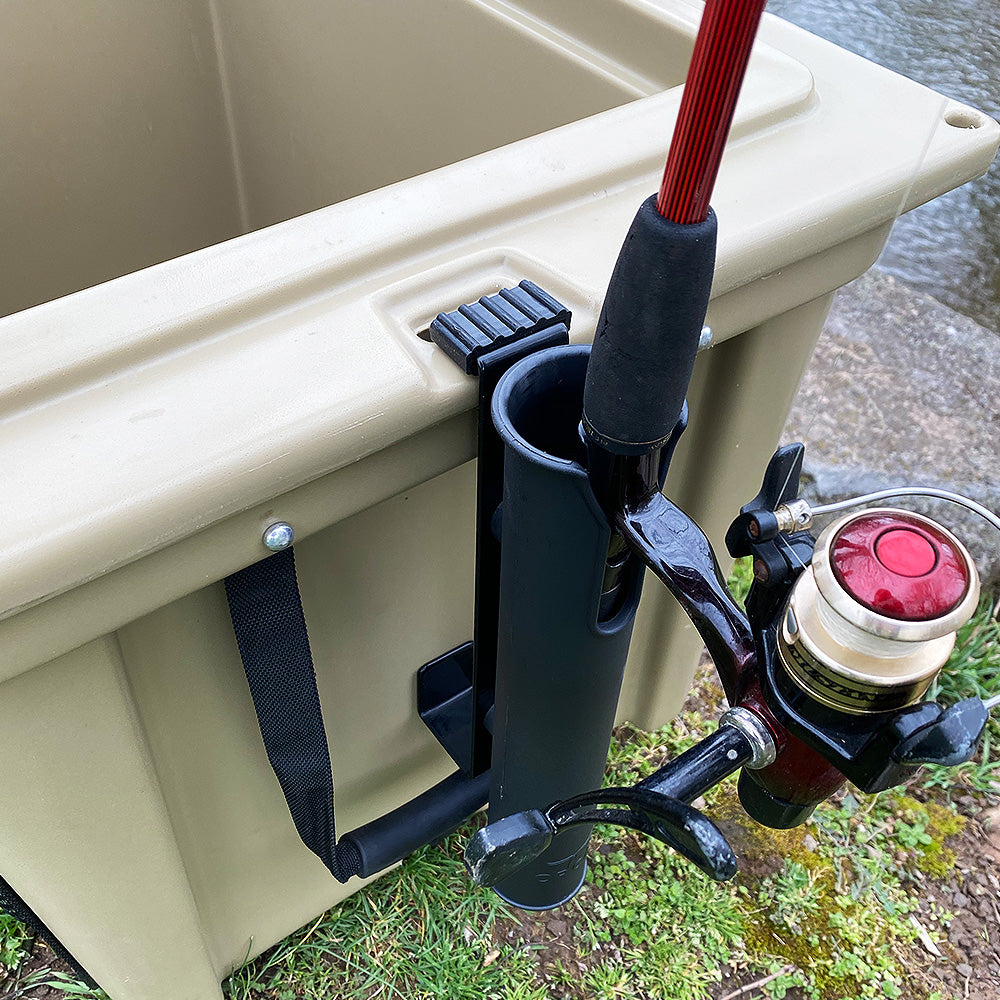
(559, 667)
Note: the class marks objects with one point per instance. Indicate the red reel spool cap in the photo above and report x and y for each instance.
(900, 567)
(872, 621)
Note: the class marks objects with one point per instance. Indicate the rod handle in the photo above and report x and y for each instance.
(648, 332)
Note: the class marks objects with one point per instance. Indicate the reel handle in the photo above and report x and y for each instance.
(657, 806)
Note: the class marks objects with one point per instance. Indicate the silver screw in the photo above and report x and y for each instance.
(278, 536)
(705, 340)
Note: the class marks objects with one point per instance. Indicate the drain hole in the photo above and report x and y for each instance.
(963, 118)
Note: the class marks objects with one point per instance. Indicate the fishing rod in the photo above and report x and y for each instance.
(842, 635)
(715, 78)
(650, 326)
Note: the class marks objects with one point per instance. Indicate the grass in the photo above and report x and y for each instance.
(830, 909)
(835, 919)
(973, 670)
(741, 579)
(825, 908)
(15, 942)
(647, 924)
(841, 908)
(423, 931)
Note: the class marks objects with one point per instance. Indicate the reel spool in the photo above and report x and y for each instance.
(870, 623)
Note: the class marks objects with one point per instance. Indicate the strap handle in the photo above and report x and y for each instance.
(270, 627)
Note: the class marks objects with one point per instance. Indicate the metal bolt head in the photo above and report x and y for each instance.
(278, 536)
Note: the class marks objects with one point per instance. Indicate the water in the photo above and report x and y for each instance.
(949, 248)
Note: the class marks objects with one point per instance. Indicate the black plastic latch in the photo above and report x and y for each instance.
(512, 314)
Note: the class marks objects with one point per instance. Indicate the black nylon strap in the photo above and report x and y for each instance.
(270, 629)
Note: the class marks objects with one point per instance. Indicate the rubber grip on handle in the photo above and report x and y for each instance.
(424, 820)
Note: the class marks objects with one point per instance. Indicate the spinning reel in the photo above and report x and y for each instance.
(826, 671)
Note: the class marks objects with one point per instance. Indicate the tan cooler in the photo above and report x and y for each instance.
(312, 182)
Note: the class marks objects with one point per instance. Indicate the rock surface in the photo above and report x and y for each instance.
(903, 390)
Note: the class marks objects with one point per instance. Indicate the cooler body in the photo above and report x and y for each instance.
(252, 213)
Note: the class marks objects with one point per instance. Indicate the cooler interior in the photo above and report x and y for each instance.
(139, 130)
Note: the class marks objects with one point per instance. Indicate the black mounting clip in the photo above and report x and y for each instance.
(455, 691)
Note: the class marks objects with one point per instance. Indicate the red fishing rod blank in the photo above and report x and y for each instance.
(719, 62)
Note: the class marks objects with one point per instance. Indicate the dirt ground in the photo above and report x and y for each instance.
(41, 960)
(973, 895)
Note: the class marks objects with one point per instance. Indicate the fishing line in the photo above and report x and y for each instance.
(836, 367)
(937, 121)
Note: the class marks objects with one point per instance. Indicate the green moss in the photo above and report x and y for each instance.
(924, 828)
(829, 901)
(760, 847)
(828, 898)
(842, 946)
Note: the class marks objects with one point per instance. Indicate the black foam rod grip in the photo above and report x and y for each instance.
(648, 333)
